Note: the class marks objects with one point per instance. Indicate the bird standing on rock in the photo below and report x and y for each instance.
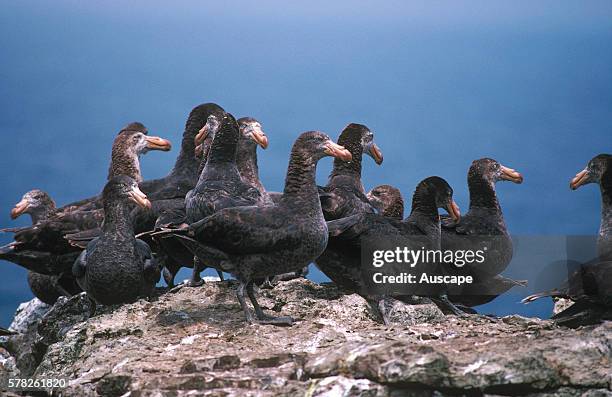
(251, 136)
(255, 242)
(116, 267)
(353, 235)
(483, 225)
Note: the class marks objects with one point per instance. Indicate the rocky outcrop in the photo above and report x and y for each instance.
(194, 342)
(21, 346)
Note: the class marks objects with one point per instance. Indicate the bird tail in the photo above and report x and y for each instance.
(7, 250)
(340, 226)
(531, 298)
(82, 238)
(12, 229)
(167, 232)
(6, 332)
(211, 256)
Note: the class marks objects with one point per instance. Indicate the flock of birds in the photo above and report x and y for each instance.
(212, 210)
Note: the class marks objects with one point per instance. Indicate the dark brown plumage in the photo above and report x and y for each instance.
(483, 225)
(251, 136)
(388, 201)
(95, 202)
(40, 206)
(116, 267)
(43, 247)
(341, 261)
(599, 171)
(255, 242)
(344, 194)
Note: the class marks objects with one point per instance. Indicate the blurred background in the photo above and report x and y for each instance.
(440, 83)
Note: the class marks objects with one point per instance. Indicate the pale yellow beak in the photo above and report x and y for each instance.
(376, 153)
(19, 209)
(511, 175)
(137, 196)
(335, 150)
(260, 137)
(453, 210)
(157, 143)
(580, 179)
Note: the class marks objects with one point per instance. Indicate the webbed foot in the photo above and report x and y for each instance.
(446, 305)
(263, 318)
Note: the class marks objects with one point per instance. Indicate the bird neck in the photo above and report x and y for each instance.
(124, 161)
(223, 147)
(430, 225)
(117, 218)
(482, 193)
(348, 168)
(41, 213)
(606, 203)
(300, 185)
(246, 162)
(395, 210)
(424, 203)
(186, 165)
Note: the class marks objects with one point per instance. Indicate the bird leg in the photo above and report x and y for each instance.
(240, 294)
(196, 280)
(92, 306)
(168, 277)
(443, 302)
(263, 317)
(377, 306)
(267, 283)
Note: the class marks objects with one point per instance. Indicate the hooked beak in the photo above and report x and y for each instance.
(137, 196)
(508, 174)
(335, 150)
(580, 179)
(259, 137)
(201, 135)
(157, 143)
(453, 210)
(376, 153)
(19, 209)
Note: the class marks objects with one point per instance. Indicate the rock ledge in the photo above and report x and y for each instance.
(195, 342)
